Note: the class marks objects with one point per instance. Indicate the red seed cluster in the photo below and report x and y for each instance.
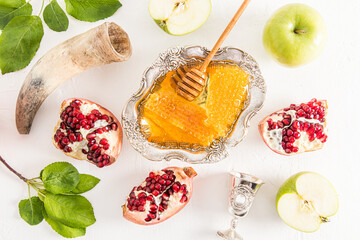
(156, 185)
(72, 121)
(292, 128)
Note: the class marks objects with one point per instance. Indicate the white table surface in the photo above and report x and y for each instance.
(333, 76)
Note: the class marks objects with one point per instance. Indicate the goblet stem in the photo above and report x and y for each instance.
(231, 234)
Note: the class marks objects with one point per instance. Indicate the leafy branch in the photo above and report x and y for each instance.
(58, 201)
(22, 32)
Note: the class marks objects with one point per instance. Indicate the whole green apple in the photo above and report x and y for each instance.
(295, 34)
(306, 200)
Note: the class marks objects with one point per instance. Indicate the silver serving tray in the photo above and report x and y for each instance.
(170, 60)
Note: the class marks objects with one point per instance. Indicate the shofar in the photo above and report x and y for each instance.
(102, 45)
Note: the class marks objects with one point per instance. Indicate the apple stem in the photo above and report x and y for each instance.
(324, 219)
(13, 170)
(300, 31)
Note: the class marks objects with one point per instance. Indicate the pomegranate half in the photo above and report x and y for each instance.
(87, 131)
(160, 196)
(296, 129)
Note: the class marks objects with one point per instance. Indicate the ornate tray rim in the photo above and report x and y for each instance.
(170, 60)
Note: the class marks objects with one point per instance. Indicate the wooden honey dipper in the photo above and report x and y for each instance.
(191, 82)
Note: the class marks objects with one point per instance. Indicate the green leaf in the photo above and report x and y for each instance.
(60, 177)
(12, 8)
(87, 182)
(71, 210)
(92, 10)
(62, 229)
(31, 210)
(55, 17)
(19, 42)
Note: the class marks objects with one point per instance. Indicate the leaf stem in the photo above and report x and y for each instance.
(35, 188)
(42, 7)
(13, 170)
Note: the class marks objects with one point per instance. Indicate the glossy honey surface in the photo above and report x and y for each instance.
(167, 117)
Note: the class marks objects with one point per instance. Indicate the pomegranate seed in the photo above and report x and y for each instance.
(105, 117)
(141, 209)
(291, 139)
(90, 136)
(289, 132)
(287, 150)
(312, 137)
(168, 182)
(94, 147)
(99, 131)
(65, 141)
(151, 175)
(287, 116)
(176, 188)
(158, 186)
(56, 138)
(311, 130)
(280, 124)
(296, 135)
(150, 198)
(67, 149)
(114, 126)
(286, 139)
(183, 188)
(147, 219)
(142, 195)
(89, 157)
(165, 196)
(161, 209)
(84, 151)
(286, 122)
(79, 137)
(155, 192)
(183, 199)
(288, 145)
(295, 149)
(165, 176)
(153, 206)
(103, 141)
(90, 116)
(152, 215)
(72, 137)
(152, 186)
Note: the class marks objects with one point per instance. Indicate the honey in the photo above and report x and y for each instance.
(165, 117)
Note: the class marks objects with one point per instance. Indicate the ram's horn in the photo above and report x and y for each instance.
(102, 45)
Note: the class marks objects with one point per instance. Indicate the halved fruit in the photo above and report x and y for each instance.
(297, 128)
(179, 17)
(306, 200)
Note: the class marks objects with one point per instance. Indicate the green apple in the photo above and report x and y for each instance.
(295, 34)
(306, 200)
(179, 17)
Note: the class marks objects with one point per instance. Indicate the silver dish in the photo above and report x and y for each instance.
(170, 60)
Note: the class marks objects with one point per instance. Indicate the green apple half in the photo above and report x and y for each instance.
(306, 200)
(179, 17)
(295, 34)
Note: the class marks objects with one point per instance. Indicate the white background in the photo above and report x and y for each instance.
(333, 76)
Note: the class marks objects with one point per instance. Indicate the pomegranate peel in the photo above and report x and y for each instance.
(296, 129)
(160, 196)
(87, 131)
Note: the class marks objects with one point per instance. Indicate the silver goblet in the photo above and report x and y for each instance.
(242, 193)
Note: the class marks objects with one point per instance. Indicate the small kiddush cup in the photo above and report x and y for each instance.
(243, 189)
